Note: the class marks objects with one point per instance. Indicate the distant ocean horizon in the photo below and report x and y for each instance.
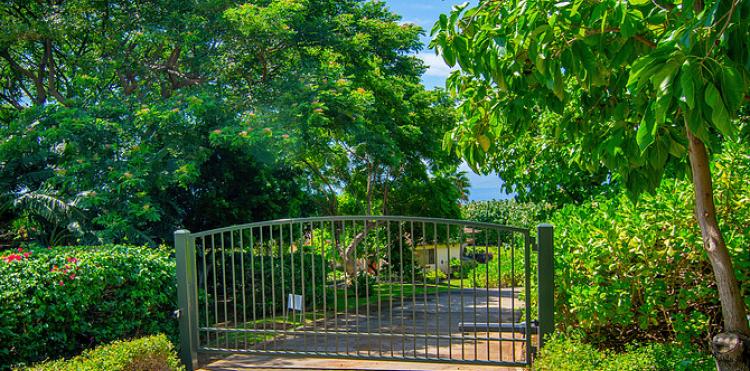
(485, 187)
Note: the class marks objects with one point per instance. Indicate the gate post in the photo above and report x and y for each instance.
(546, 281)
(187, 298)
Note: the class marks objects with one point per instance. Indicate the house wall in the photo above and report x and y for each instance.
(441, 257)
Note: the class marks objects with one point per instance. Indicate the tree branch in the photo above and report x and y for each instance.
(728, 15)
(332, 195)
(637, 37)
(52, 78)
(5, 54)
(12, 102)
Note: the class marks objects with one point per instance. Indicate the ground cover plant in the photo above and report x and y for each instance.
(58, 301)
(570, 354)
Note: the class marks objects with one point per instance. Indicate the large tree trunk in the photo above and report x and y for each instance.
(730, 348)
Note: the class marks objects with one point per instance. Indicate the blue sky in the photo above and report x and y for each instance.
(425, 13)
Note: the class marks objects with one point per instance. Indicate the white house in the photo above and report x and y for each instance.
(430, 255)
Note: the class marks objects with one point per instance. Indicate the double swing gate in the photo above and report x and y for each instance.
(366, 287)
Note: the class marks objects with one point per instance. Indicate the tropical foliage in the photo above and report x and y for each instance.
(58, 301)
(637, 89)
(121, 121)
(634, 272)
(507, 212)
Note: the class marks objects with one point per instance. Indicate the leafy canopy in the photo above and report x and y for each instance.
(125, 120)
(613, 82)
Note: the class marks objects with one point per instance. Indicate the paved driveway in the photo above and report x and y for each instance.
(393, 329)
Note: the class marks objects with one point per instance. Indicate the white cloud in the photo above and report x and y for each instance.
(416, 21)
(436, 65)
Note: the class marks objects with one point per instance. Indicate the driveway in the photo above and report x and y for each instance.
(409, 330)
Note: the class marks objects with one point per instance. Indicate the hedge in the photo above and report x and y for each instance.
(145, 354)
(56, 302)
(637, 271)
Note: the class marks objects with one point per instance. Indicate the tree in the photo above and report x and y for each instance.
(110, 105)
(351, 112)
(144, 114)
(539, 167)
(639, 87)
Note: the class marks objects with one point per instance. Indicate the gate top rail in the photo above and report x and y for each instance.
(388, 218)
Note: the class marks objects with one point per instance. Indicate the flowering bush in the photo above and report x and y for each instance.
(58, 301)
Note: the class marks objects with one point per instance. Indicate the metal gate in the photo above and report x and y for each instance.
(366, 287)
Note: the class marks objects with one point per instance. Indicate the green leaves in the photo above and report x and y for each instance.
(611, 247)
(719, 114)
(157, 351)
(582, 74)
(688, 76)
(134, 287)
(646, 132)
(181, 106)
(734, 86)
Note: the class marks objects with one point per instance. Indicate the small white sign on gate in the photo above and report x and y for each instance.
(295, 302)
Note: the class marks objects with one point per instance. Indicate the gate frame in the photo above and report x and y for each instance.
(187, 298)
(187, 291)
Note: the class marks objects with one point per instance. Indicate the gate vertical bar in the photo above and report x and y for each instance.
(187, 298)
(546, 281)
(527, 294)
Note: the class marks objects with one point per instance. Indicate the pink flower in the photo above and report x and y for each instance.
(26, 254)
(62, 283)
(73, 276)
(20, 249)
(71, 259)
(12, 257)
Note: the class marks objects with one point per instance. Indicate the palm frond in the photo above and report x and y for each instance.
(46, 205)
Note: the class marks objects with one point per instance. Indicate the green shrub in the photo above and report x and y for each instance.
(628, 272)
(572, 355)
(434, 276)
(56, 302)
(506, 269)
(461, 269)
(144, 354)
(268, 280)
(506, 212)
